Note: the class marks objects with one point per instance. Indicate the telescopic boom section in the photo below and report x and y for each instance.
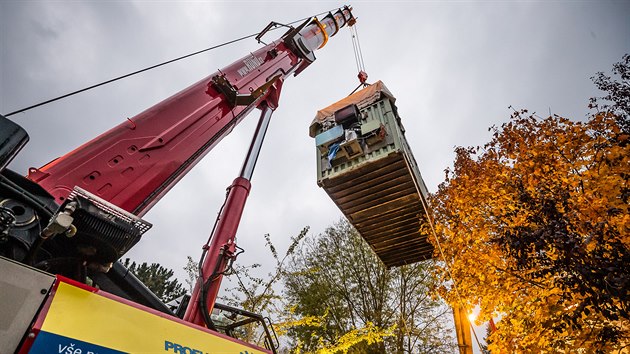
(137, 162)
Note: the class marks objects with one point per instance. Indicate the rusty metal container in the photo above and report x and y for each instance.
(367, 168)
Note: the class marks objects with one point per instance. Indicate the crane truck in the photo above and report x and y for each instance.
(65, 225)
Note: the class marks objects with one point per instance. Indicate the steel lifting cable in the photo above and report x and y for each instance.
(358, 58)
(448, 268)
(356, 44)
(354, 48)
(154, 66)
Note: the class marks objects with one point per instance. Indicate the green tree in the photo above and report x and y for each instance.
(339, 283)
(534, 226)
(259, 294)
(157, 278)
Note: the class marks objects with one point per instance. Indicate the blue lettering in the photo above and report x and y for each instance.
(168, 345)
(180, 349)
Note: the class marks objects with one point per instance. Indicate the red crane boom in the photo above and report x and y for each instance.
(137, 162)
(77, 215)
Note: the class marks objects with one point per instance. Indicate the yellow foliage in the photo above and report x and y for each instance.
(368, 334)
(281, 328)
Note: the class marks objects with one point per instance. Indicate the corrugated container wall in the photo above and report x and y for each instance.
(367, 168)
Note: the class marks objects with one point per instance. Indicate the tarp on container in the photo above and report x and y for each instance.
(361, 98)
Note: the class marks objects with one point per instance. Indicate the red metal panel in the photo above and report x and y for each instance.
(134, 164)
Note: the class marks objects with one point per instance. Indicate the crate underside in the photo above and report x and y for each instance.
(381, 200)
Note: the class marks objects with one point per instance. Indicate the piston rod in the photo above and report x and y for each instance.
(254, 149)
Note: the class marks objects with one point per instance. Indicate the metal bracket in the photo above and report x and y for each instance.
(323, 29)
(61, 222)
(330, 15)
(293, 40)
(271, 26)
(238, 99)
(352, 20)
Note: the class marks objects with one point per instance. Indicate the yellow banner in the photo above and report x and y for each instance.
(91, 323)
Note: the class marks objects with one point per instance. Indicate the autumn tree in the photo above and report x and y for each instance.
(534, 227)
(349, 302)
(157, 278)
(484, 347)
(616, 101)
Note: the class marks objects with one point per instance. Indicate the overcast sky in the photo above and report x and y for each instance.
(454, 66)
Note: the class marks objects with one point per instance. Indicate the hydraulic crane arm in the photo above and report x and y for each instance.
(74, 217)
(134, 164)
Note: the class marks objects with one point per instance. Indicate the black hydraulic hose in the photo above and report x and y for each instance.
(204, 295)
(27, 196)
(205, 285)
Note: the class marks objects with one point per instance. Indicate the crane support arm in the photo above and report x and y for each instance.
(137, 162)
